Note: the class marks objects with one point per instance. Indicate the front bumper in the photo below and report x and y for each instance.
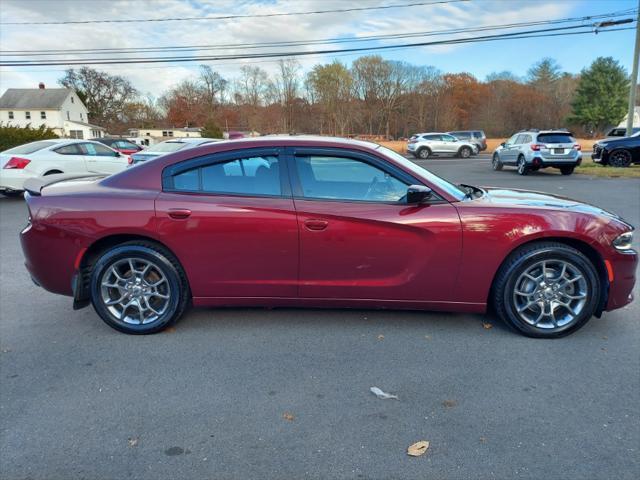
(623, 266)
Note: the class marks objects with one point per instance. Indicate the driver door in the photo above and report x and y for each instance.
(449, 144)
(360, 240)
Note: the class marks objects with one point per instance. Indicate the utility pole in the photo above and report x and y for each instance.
(634, 77)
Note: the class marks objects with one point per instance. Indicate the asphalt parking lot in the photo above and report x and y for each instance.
(284, 393)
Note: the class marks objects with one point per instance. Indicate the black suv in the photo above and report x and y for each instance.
(617, 152)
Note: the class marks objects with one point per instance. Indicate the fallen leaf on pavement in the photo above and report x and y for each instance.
(170, 330)
(418, 448)
(133, 442)
(483, 439)
(382, 395)
(449, 403)
(380, 337)
(487, 325)
(290, 417)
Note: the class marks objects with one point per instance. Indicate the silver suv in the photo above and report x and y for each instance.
(423, 145)
(531, 150)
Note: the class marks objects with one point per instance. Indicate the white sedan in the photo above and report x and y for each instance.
(48, 157)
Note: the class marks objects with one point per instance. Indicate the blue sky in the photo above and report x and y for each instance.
(572, 52)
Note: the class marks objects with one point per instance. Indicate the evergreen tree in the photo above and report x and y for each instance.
(601, 97)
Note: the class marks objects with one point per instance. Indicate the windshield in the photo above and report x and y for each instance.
(440, 183)
(30, 147)
(166, 147)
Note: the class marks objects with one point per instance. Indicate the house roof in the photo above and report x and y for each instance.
(35, 98)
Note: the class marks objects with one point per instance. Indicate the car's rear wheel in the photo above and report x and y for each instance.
(424, 153)
(546, 290)
(464, 152)
(620, 158)
(139, 288)
(567, 170)
(522, 166)
(496, 164)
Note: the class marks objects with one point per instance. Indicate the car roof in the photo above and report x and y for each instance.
(190, 140)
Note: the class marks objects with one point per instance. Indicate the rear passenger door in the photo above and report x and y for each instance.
(230, 218)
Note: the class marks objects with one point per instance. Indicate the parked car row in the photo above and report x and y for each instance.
(65, 156)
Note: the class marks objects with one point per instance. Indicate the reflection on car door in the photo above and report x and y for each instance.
(101, 159)
(230, 218)
(358, 237)
(449, 144)
(509, 153)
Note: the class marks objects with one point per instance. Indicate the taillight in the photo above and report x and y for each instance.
(537, 146)
(577, 147)
(130, 160)
(17, 163)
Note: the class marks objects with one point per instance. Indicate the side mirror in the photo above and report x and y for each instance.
(418, 194)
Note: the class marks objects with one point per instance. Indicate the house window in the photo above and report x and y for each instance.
(27, 115)
(10, 115)
(43, 115)
(72, 100)
(78, 134)
(68, 117)
(81, 119)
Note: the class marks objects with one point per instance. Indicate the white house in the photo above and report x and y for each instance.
(636, 118)
(57, 108)
(165, 133)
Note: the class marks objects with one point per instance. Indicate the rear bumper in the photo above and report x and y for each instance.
(624, 267)
(12, 180)
(542, 162)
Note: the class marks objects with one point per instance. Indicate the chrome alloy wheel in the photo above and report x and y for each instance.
(135, 291)
(550, 294)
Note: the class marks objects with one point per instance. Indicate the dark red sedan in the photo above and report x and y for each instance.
(294, 221)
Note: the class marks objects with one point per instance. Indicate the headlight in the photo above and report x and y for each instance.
(624, 241)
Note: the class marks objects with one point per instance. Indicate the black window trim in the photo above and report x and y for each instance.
(222, 157)
(298, 194)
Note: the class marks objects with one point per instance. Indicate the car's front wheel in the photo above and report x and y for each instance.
(424, 153)
(546, 290)
(620, 158)
(139, 288)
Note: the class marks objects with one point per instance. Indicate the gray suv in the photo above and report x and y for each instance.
(532, 150)
(423, 145)
(476, 136)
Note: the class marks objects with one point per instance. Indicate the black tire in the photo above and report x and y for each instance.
(523, 169)
(464, 152)
(177, 286)
(423, 153)
(504, 287)
(52, 172)
(496, 164)
(620, 158)
(567, 170)
(13, 194)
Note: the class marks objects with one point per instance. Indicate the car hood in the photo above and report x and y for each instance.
(531, 199)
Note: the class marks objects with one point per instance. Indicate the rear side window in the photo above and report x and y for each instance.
(30, 147)
(72, 149)
(555, 138)
(246, 176)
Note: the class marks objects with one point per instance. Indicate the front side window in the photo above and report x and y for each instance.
(448, 138)
(246, 176)
(339, 178)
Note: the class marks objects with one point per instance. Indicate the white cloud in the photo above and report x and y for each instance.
(156, 78)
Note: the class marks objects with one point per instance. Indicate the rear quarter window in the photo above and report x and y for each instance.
(30, 147)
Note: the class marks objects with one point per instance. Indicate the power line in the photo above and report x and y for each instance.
(123, 50)
(228, 17)
(141, 60)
